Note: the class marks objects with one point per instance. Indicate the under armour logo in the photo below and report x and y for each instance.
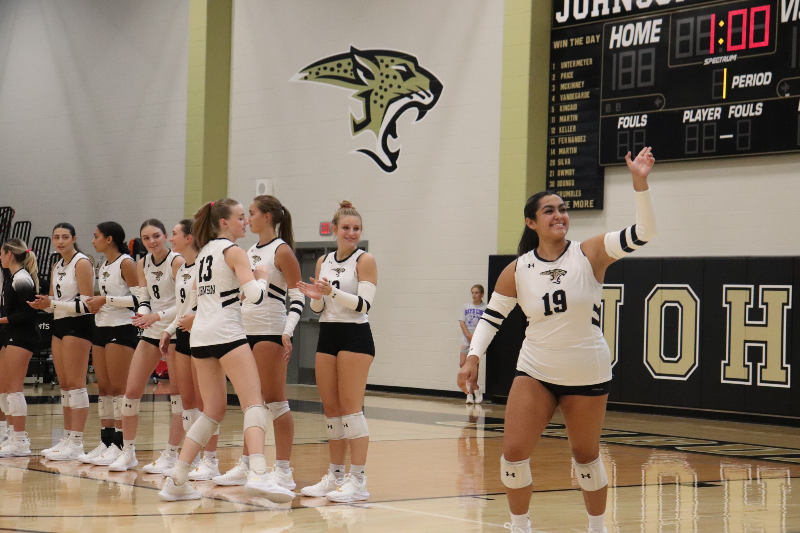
(586, 475)
(330, 426)
(511, 474)
(530, 265)
(345, 425)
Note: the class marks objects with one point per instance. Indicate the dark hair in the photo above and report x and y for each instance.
(117, 234)
(345, 209)
(281, 218)
(24, 257)
(70, 228)
(155, 223)
(186, 227)
(530, 239)
(206, 220)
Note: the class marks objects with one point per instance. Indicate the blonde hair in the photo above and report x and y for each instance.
(206, 220)
(345, 209)
(24, 257)
(281, 218)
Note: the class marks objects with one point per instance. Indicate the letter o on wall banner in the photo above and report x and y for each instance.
(680, 365)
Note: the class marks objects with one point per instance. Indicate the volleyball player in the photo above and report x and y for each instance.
(182, 372)
(114, 337)
(18, 341)
(564, 361)
(343, 290)
(71, 285)
(219, 348)
(156, 295)
(269, 329)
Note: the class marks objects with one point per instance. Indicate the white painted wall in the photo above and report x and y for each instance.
(431, 223)
(93, 112)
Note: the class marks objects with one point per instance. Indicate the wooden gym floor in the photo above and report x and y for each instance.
(433, 467)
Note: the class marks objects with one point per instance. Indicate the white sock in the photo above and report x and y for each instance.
(128, 444)
(3, 426)
(76, 436)
(209, 455)
(20, 434)
(597, 523)
(520, 520)
(172, 449)
(358, 472)
(283, 466)
(337, 471)
(180, 472)
(257, 463)
(246, 460)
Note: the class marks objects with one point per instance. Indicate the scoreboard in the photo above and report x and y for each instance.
(693, 79)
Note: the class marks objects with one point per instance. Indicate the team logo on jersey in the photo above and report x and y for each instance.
(339, 270)
(555, 274)
(61, 275)
(256, 259)
(106, 274)
(387, 83)
(186, 277)
(158, 274)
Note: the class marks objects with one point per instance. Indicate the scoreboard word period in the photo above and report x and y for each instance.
(694, 79)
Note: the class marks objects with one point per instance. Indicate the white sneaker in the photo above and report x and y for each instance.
(97, 452)
(125, 461)
(284, 480)
(470, 398)
(164, 462)
(205, 470)
(326, 484)
(508, 525)
(265, 485)
(235, 476)
(16, 446)
(71, 451)
(478, 396)
(351, 490)
(171, 492)
(57, 446)
(108, 456)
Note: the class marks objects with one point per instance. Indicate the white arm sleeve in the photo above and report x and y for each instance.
(361, 302)
(297, 303)
(130, 301)
(317, 305)
(253, 292)
(620, 243)
(143, 296)
(77, 306)
(496, 311)
(168, 314)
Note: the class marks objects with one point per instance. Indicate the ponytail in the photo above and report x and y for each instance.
(206, 220)
(24, 257)
(117, 234)
(530, 239)
(281, 218)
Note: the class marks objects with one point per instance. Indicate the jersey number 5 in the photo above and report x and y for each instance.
(559, 298)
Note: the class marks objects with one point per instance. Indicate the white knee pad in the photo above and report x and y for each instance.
(79, 399)
(515, 474)
(175, 404)
(591, 476)
(355, 426)
(278, 409)
(334, 428)
(4, 402)
(105, 407)
(117, 406)
(64, 398)
(255, 416)
(130, 406)
(202, 429)
(17, 405)
(188, 416)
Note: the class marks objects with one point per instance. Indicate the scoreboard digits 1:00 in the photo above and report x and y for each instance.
(694, 79)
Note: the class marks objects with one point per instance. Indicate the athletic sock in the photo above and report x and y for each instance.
(358, 472)
(107, 436)
(209, 455)
(283, 466)
(597, 523)
(520, 520)
(172, 449)
(257, 463)
(337, 471)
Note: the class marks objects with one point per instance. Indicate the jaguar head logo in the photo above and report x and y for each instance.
(186, 277)
(387, 83)
(158, 274)
(106, 274)
(338, 271)
(61, 275)
(256, 259)
(555, 274)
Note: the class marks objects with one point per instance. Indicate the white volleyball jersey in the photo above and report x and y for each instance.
(342, 274)
(563, 341)
(184, 282)
(219, 314)
(65, 284)
(268, 317)
(111, 283)
(161, 288)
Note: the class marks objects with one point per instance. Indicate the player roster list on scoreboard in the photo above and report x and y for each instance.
(694, 79)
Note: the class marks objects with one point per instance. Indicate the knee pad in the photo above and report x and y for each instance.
(515, 474)
(79, 399)
(278, 409)
(188, 416)
(16, 404)
(255, 416)
(117, 406)
(202, 429)
(130, 406)
(105, 407)
(175, 404)
(64, 398)
(355, 426)
(334, 428)
(591, 476)
(4, 402)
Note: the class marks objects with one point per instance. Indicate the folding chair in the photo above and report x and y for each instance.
(22, 230)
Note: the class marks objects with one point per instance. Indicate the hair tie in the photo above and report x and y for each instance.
(28, 250)
(212, 204)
